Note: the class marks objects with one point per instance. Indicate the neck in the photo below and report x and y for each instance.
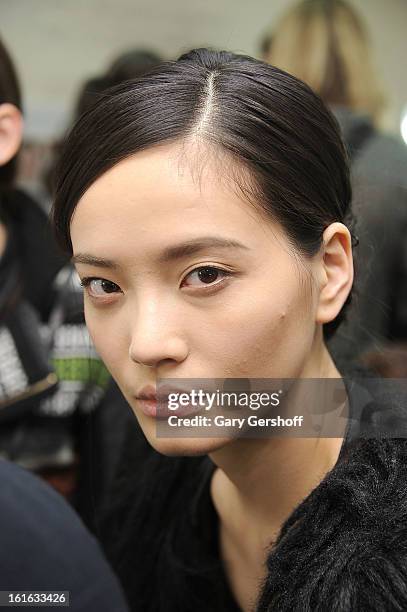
(259, 482)
(3, 238)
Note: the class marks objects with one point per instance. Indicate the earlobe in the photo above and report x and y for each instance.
(11, 132)
(337, 269)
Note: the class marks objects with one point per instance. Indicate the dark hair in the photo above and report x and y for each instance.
(271, 123)
(9, 92)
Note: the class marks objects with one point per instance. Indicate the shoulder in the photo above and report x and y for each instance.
(23, 494)
(380, 158)
(345, 546)
(43, 542)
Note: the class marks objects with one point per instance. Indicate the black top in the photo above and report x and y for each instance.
(343, 548)
(162, 535)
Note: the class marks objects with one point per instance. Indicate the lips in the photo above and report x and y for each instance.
(150, 391)
(156, 406)
(160, 410)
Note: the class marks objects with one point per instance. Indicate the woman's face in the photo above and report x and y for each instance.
(200, 284)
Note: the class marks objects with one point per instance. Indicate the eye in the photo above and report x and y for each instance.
(99, 287)
(206, 275)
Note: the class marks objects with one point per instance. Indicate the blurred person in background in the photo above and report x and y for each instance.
(325, 43)
(128, 65)
(51, 379)
(45, 547)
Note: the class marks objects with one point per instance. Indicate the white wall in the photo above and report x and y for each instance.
(57, 44)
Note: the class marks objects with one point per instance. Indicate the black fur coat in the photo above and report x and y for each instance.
(344, 549)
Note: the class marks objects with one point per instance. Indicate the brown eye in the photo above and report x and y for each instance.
(99, 287)
(206, 275)
(107, 286)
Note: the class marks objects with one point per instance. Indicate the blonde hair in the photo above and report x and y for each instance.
(325, 44)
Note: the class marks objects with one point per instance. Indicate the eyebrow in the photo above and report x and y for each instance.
(169, 254)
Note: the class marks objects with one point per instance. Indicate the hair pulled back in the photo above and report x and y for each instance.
(269, 122)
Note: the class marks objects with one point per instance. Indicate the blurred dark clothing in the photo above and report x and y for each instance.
(391, 362)
(30, 249)
(111, 423)
(51, 378)
(378, 313)
(45, 547)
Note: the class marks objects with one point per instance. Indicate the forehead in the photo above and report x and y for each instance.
(160, 195)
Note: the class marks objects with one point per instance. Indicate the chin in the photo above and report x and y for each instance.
(186, 447)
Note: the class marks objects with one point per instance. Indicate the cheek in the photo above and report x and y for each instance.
(264, 334)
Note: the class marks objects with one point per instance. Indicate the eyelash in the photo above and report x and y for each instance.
(85, 282)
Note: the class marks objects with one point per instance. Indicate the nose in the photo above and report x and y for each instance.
(156, 335)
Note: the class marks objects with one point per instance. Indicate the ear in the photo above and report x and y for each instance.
(335, 271)
(11, 132)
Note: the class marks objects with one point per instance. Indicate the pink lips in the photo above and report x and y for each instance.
(148, 407)
(158, 407)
